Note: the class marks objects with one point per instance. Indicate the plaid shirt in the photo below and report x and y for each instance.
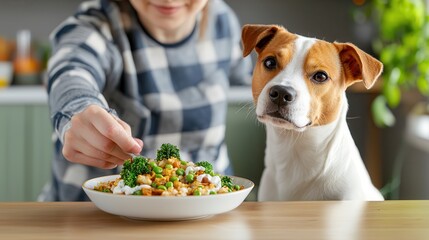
(167, 93)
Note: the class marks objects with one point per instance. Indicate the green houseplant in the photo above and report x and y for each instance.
(402, 44)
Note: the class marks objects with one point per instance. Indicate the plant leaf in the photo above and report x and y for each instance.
(423, 85)
(382, 115)
(392, 94)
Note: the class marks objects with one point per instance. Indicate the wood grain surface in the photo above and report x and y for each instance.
(347, 220)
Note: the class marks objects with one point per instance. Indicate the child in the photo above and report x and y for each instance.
(156, 70)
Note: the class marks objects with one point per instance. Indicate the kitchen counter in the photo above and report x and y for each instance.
(37, 95)
(351, 220)
(33, 95)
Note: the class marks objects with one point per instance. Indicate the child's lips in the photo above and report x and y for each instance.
(167, 10)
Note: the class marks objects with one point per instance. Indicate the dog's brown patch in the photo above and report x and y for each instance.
(268, 41)
(326, 96)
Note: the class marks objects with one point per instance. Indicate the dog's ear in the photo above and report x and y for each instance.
(358, 65)
(257, 37)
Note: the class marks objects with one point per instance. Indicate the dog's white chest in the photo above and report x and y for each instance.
(295, 167)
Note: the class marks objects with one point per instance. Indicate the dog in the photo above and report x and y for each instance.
(299, 92)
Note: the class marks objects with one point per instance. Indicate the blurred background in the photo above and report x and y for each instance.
(389, 122)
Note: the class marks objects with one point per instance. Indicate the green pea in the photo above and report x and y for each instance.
(180, 171)
(157, 170)
(152, 164)
(183, 162)
(138, 192)
(168, 166)
(158, 176)
(237, 187)
(169, 184)
(174, 178)
(212, 193)
(153, 185)
(162, 187)
(190, 177)
(197, 193)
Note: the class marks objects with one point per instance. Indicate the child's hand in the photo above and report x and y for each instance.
(97, 138)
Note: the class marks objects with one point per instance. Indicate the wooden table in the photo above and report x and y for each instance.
(252, 220)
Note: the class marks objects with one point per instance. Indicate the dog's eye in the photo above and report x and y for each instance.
(270, 63)
(320, 77)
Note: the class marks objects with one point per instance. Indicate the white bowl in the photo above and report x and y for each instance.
(168, 208)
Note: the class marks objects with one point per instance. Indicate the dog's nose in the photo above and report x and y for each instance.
(282, 95)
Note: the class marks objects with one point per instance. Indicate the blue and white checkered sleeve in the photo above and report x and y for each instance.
(82, 59)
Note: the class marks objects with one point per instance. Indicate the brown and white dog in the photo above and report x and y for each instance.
(298, 88)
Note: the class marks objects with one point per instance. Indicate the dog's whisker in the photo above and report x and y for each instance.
(250, 109)
(353, 118)
(241, 107)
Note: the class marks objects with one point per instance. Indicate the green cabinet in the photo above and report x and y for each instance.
(25, 151)
(245, 139)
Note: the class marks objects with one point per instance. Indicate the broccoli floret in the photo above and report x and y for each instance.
(128, 175)
(132, 168)
(207, 166)
(140, 165)
(167, 151)
(227, 182)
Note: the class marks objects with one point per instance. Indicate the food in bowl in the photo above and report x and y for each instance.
(168, 175)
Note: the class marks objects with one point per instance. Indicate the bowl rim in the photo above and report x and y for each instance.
(114, 176)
